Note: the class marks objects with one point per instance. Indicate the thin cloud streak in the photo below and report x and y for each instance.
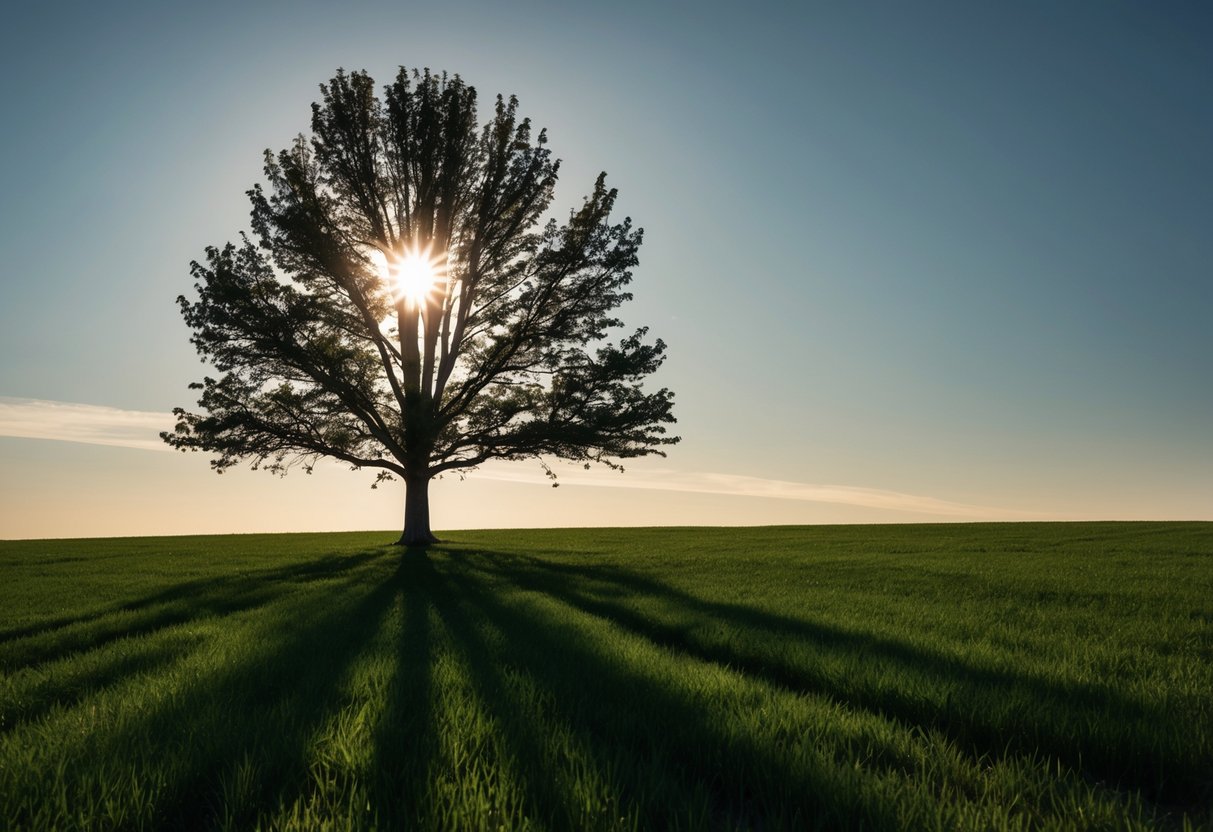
(86, 423)
(738, 485)
(96, 425)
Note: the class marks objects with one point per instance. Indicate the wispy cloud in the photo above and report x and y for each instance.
(71, 422)
(87, 423)
(738, 485)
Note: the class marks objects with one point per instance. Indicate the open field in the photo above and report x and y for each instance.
(970, 676)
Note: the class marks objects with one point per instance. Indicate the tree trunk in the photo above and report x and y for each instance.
(417, 513)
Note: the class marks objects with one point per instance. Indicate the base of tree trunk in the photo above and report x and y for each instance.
(417, 540)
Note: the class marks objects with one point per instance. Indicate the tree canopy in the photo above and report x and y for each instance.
(405, 302)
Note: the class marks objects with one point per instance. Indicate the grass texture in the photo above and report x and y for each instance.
(1009, 676)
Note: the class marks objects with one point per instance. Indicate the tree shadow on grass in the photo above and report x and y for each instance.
(1080, 725)
(592, 732)
(599, 740)
(245, 710)
(66, 686)
(405, 742)
(57, 638)
(535, 747)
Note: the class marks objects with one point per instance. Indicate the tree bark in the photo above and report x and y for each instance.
(417, 513)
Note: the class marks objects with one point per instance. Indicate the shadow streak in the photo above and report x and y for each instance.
(723, 778)
(1054, 715)
(45, 642)
(405, 742)
(524, 728)
(268, 709)
(68, 687)
(254, 700)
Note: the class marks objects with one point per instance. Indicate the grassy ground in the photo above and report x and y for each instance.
(972, 676)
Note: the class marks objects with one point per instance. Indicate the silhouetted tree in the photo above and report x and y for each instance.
(403, 303)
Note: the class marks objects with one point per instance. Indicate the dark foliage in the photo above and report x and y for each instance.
(508, 356)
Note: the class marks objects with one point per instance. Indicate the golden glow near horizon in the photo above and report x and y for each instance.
(412, 276)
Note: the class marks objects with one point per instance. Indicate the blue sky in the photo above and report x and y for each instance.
(945, 252)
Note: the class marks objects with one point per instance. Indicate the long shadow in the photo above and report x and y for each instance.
(1136, 764)
(65, 689)
(45, 641)
(405, 743)
(529, 758)
(568, 582)
(284, 694)
(653, 744)
(264, 707)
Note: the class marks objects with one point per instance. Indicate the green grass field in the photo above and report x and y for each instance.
(890, 677)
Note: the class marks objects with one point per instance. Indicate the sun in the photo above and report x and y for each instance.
(412, 275)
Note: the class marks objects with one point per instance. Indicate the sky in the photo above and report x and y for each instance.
(914, 262)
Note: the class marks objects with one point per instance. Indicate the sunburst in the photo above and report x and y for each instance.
(412, 274)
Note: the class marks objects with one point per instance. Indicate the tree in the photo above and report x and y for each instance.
(405, 304)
